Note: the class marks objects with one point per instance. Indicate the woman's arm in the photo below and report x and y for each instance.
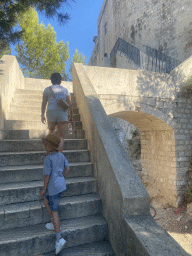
(43, 107)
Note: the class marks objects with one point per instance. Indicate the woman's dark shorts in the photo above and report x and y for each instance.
(54, 115)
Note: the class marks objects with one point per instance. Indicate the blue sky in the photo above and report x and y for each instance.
(80, 29)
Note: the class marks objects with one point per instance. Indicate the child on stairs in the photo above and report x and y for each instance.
(56, 168)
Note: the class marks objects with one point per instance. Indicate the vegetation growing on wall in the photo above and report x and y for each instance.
(188, 191)
(134, 145)
(187, 88)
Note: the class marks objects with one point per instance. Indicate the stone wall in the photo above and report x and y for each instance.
(132, 230)
(11, 78)
(159, 165)
(165, 25)
(152, 103)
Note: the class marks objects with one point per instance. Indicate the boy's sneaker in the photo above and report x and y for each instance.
(49, 226)
(59, 245)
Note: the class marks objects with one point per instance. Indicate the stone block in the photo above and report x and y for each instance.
(2, 216)
(168, 105)
(35, 213)
(17, 211)
(159, 105)
(189, 209)
(180, 137)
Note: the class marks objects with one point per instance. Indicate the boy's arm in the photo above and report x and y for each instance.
(66, 172)
(46, 181)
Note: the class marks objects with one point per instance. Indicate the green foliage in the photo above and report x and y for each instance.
(10, 11)
(39, 54)
(188, 195)
(5, 51)
(77, 58)
(187, 88)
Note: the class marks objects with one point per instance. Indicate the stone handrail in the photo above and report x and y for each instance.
(11, 78)
(150, 60)
(132, 230)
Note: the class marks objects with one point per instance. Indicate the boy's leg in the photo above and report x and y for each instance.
(56, 221)
(54, 205)
(46, 203)
(60, 242)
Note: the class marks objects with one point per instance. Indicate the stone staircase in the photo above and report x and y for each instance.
(22, 213)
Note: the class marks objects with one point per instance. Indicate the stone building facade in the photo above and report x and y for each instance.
(164, 25)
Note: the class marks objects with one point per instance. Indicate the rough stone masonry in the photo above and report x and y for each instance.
(165, 25)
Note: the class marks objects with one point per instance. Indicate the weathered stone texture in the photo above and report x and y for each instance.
(165, 25)
(151, 103)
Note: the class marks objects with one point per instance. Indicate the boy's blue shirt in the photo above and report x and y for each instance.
(54, 165)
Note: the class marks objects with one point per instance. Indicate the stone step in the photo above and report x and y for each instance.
(32, 213)
(28, 173)
(31, 104)
(27, 97)
(33, 116)
(22, 134)
(22, 97)
(32, 108)
(26, 91)
(37, 157)
(30, 191)
(36, 134)
(36, 92)
(37, 144)
(32, 125)
(27, 104)
(36, 239)
(92, 249)
(31, 91)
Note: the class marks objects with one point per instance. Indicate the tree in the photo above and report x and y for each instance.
(39, 54)
(77, 58)
(10, 10)
(5, 51)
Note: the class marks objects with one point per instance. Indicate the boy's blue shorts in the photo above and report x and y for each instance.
(54, 202)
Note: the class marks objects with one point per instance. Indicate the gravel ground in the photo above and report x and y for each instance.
(177, 222)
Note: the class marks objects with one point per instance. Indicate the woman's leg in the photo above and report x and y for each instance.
(61, 127)
(51, 126)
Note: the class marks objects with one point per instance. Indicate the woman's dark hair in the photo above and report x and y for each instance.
(55, 78)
